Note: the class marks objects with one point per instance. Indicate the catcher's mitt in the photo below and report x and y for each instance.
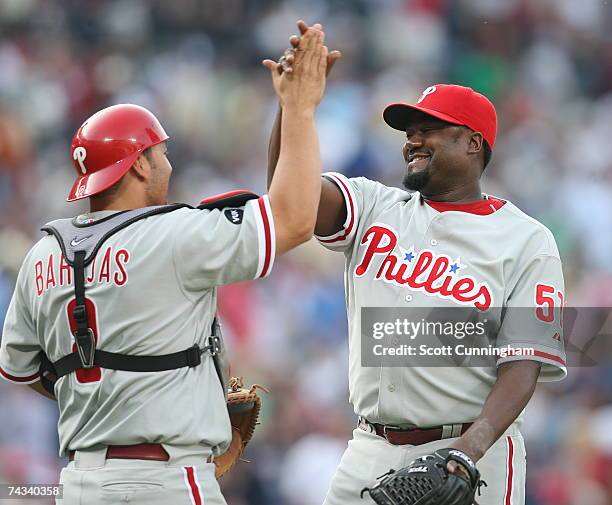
(243, 406)
(426, 481)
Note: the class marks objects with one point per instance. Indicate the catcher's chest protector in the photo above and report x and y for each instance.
(79, 243)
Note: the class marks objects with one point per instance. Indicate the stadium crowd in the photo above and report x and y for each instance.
(546, 64)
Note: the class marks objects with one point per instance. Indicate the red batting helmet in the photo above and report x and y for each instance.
(107, 144)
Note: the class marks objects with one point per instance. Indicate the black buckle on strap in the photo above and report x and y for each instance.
(80, 314)
(86, 347)
(214, 345)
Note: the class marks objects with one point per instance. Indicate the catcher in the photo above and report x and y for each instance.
(122, 301)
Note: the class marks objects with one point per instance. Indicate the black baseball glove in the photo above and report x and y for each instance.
(426, 481)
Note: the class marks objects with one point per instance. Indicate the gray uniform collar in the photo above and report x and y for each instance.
(88, 231)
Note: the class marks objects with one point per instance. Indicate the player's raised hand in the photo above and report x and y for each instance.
(303, 87)
(287, 60)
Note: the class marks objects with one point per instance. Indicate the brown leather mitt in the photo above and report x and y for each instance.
(243, 406)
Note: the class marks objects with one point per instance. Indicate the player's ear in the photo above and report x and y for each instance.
(475, 143)
(142, 167)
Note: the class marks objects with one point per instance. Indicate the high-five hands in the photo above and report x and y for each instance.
(287, 60)
(302, 87)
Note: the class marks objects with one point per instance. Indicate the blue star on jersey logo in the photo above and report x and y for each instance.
(408, 254)
(456, 266)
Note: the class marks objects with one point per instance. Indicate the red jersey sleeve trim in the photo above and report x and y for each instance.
(552, 362)
(29, 379)
(351, 210)
(267, 237)
(551, 357)
(536, 354)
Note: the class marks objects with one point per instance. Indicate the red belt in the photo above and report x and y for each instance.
(412, 436)
(152, 452)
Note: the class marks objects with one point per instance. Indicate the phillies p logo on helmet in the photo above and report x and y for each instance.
(79, 154)
(428, 91)
(111, 140)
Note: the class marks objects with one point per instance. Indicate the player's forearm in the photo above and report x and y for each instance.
(331, 212)
(296, 187)
(38, 387)
(274, 145)
(516, 382)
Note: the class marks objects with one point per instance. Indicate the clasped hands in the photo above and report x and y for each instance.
(299, 74)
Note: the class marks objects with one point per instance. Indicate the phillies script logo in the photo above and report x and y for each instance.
(435, 275)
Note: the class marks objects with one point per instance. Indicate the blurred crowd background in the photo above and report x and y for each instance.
(546, 64)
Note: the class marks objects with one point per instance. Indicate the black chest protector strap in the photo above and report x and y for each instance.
(83, 335)
(86, 355)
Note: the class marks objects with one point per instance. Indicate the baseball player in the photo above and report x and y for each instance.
(122, 299)
(443, 244)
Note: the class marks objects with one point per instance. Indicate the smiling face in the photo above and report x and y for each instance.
(439, 156)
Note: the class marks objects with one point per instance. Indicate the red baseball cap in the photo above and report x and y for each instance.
(452, 103)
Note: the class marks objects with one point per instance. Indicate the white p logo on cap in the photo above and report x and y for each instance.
(428, 91)
(79, 154)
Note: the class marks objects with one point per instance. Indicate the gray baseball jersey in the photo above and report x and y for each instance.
(402, 252)
(153, 290)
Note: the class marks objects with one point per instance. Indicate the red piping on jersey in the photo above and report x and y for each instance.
(14, 378)
(347, 232)
(480, 208)
(267, 234)
(508, 497)
(224, 195)
(549, 356)
(195, 490)
(545, 355)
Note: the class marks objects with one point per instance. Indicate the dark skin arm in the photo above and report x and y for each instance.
(331, 212)
(516, 382)
(37, 386)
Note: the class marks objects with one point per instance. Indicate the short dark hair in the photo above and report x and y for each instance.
(486, 148)
(487, 154)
